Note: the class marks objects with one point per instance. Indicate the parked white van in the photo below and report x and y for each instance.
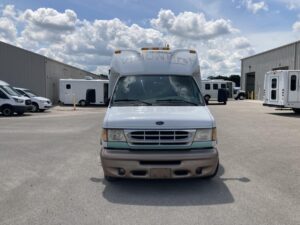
(11, 101)
(282, 89)
(210, 89)
(39, 104)
(83, 91)
(157, 124)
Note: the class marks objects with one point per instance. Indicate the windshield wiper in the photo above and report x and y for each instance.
(132, 100)
(176, 100)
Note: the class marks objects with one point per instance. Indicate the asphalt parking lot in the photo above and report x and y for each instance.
(50, 174)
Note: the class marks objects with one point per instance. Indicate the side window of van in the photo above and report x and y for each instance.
(215, 86)
(68, 86)
(274, 83)
(293, 82)
(223, 85)
(2, 95)
(207, 86)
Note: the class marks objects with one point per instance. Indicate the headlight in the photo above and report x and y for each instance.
(18, 100)
(206, 135)
(112, 135)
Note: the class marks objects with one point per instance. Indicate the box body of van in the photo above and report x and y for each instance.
(157, 124)
(11, 101)
(282, 89)
(83, 91)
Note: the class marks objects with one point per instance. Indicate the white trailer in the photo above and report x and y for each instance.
(209, 89)
(83, 91)
(282, 89)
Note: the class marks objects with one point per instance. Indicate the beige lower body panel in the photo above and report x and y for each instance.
(159, 164)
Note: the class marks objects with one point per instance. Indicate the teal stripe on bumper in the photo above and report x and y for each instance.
(124, 145)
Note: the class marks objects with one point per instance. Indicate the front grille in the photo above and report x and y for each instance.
(27, 102)
(159, 137)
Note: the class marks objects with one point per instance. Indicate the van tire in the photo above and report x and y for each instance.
(110, 179)
(297, 111)
(241, 97)
(7, 110)
(35, 107)
(82, 103)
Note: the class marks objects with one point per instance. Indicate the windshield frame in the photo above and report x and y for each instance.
(30, 93)
(10, 91)
(201, 99)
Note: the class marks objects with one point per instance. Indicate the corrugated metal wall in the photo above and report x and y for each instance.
(22, 68)
(264, 62)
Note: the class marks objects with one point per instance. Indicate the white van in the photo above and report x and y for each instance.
(210, 89)
(83, 91)
(11, 101)
(282, 89)
(39, 104)
(157, 124)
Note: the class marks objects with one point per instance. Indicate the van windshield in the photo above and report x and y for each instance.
(30, 93)
(176, 90)
(10, 91)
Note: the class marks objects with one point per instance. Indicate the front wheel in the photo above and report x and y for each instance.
(82, 103)
(7, 111)
(35, 107)
(241, 97)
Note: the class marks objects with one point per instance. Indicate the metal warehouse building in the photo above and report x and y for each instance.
(22, 68)
(253, 68)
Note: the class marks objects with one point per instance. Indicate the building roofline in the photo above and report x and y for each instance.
(270, 50)
(45, 57)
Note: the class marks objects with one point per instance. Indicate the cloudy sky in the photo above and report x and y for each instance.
(85, 33)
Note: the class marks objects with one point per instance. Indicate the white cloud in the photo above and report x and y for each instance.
(240, 43)
(47, 18)
(191, 25)
(47, 25)
(255, 7)
(296, 26)
(264, 41)
(215, 55)
(290, 4)
(205, 65)
(8, 30)
(89, 44)
(9, 11)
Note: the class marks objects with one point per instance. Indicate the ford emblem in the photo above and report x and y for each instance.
(160, 123)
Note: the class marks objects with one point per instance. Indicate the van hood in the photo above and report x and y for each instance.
(145, 117)
(40, 98)
(20, 97)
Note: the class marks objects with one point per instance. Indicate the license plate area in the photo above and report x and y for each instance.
(160, 173)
